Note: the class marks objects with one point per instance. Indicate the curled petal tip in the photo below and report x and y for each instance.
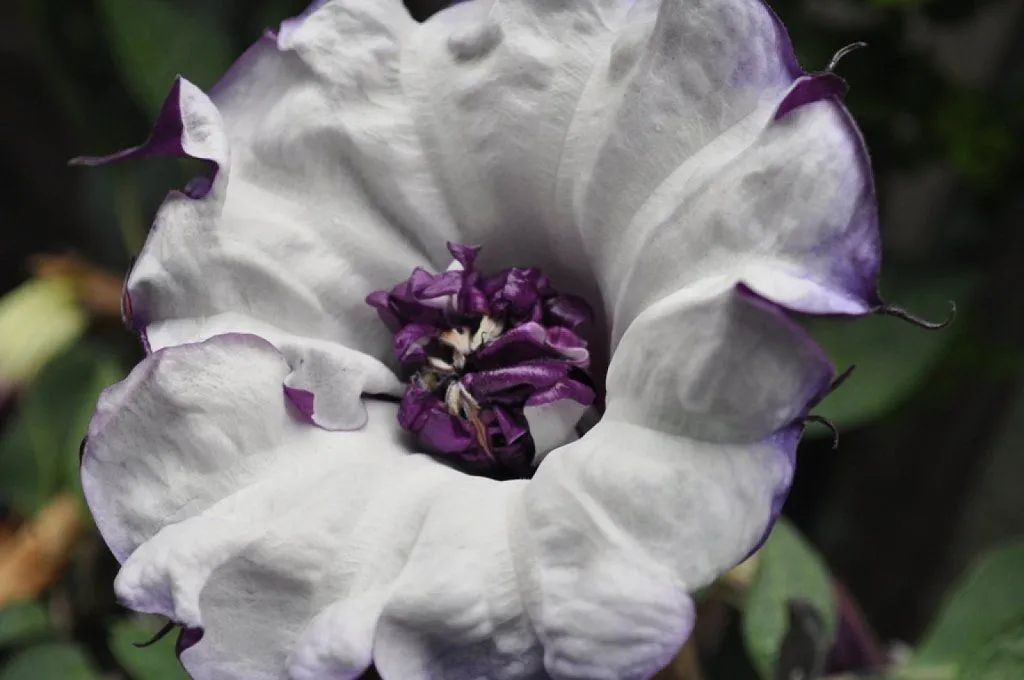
(822, 420)
(900, 313)
(157, 637)
(842, 53)
(841, 378)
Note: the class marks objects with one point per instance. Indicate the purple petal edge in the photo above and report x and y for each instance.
(187, 638)
(786, 439)
(164, 140)
(117, 397)
(302, 400)
(809, 89)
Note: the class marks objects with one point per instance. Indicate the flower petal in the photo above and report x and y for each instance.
(668, 141)
(799, 224)
(322, 193)
(327, 380)
(295, 550)
(275, 538)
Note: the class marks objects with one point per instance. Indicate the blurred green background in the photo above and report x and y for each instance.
(901, 554)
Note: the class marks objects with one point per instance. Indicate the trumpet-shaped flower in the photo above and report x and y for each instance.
(311, 484)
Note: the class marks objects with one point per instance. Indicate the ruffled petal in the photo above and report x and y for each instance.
(321, 191)
(666, 141)
(297, 550)
(327, 380)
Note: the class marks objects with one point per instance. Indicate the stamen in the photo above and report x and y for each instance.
(822, 420)
(900, 313)
(853, 47)
(488, 330)
(458, 339)
(440, 365)
(160, 635)
(455, 315)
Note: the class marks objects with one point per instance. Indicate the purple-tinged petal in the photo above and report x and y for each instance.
(184, 127)
(463, 254)
(810, 89)
(531, 341)
(498, 382)
(322, 189)
(409, 342)
(567, 310)
(326, 382)
(302, 400)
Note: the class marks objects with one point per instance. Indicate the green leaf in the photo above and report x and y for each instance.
(788, 569)
(39, 452)
(155, 662)
(50, 662)
(156, 40)
(22, 621)
(892, 356)
(1000, 659)
(986, 603)
(38, 319)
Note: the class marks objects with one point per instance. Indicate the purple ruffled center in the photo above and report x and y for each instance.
(477, 351)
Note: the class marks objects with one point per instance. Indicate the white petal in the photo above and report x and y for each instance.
(327, 380)
(792, 215)
(323, 193)
(553, 425)
(662, 139)
(275, 537)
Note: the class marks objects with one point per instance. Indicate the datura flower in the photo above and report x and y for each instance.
(424, 255)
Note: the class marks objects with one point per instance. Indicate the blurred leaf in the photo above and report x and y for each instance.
(788, 570)
(156, 40)
(155, 662)
(38, 320)
(892, 356)
(39, 452)
(986, 603)
(22, 621)
(35, 555)
(1000, 659)
(50, 662)
(96, 290)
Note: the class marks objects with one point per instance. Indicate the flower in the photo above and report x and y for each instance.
(666, 161)
(490, 359)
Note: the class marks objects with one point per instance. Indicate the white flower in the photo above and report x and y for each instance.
(666, 160)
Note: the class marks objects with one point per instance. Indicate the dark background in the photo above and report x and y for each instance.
(932, 423)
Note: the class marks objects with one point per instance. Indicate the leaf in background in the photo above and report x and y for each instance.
(155, 40)
(986, 603)
(789, 570)
(36, 554)
(39, 452)
(155, 662)
(22, 621)
(50, 662)
(892, 356)
(38, 320)
(1000, 659)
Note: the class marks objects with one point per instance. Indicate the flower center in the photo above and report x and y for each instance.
(485, 357)
(446, 364)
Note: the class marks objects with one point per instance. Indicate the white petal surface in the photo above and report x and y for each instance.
(322, 195)
(647, 137)
(308, 552)
(666, 159)
(327, 380)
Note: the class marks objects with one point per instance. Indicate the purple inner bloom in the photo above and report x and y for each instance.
(477, 351)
